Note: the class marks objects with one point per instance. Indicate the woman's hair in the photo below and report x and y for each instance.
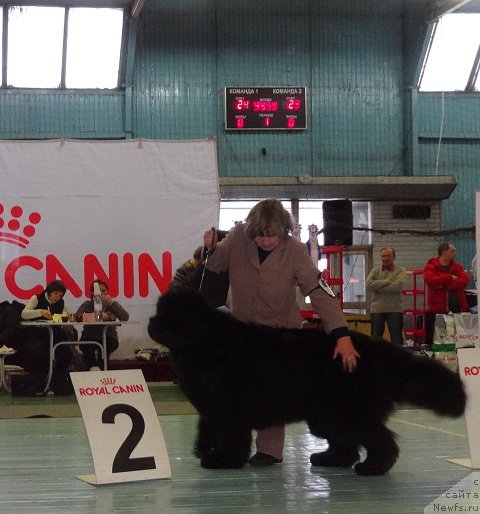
(268, 218)
(56, 285)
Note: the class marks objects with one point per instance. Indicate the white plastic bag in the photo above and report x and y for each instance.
(466, 327)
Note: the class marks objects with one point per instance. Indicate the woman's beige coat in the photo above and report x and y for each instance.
(266, 293)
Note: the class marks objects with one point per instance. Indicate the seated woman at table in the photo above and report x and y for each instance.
(42, 307)
(111, 311)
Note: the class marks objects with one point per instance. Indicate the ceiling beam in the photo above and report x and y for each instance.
(112, 4)
(368, 188)
(137, 6)
(442, 7)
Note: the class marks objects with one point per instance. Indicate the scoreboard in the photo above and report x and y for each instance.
(265, 108)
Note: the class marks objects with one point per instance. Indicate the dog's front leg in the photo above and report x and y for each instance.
(231, 448)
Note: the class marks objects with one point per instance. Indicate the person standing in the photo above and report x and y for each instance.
(265, 265)
(446, 281)
(386, 282)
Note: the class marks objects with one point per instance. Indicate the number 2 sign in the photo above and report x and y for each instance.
(122, 425)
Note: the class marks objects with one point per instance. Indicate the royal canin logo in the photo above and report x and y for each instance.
(20, 225)
(471, 371)
(108, 386)
(136, 272)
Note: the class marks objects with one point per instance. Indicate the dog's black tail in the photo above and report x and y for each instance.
(420, 381)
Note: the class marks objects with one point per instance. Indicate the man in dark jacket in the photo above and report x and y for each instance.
(193, 273)
(446, 281)
(10, 318)
(11, 334)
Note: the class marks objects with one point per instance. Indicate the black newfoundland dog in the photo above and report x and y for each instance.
(242, 376)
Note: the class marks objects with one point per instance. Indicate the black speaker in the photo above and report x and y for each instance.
(337, 223)
(415, 212)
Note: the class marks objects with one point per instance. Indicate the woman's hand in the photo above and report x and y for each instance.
(346, 351)
(108, 299)
(210, 238)
(46, 314)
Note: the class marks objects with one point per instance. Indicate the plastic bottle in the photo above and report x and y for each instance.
(97, 302)
(450, 326)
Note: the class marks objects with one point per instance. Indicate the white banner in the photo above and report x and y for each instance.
(129, 212)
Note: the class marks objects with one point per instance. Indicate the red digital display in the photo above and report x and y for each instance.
(242, 105)
(265, 106)
(257, 108)
(293, 104)
(291, 123)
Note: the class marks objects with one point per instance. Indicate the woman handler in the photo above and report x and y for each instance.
(266, 264)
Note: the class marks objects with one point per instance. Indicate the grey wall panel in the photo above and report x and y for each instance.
(451, 115)
(56, 114)
(357, 70)
(175, 91)
(449, 144)
(461, 158)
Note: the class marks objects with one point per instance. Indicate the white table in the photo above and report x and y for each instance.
(49, 325)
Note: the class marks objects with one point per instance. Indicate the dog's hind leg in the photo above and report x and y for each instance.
(342, 449)
(340, 453)
(382, 450)
(231, 450)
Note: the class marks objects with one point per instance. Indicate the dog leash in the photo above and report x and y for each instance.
(208, 252)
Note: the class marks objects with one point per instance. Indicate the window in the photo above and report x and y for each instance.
(93, 61)
(234, 211)
(38, 55)
(309, 213)
(452, 59)
(36, 60)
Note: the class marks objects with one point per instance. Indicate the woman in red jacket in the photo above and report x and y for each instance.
(446, 281)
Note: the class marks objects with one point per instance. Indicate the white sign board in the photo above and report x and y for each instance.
(122, 425)
(469, 369)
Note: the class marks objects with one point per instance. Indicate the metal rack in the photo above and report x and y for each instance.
(333, 273)
(414, 308)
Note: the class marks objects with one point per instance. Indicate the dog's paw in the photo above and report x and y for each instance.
(199, 452)
(331, 459)
(368, 469)
(216, 460)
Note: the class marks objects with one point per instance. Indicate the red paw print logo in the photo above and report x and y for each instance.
(16, 226)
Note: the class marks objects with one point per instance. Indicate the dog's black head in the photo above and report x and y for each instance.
(180, 312)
